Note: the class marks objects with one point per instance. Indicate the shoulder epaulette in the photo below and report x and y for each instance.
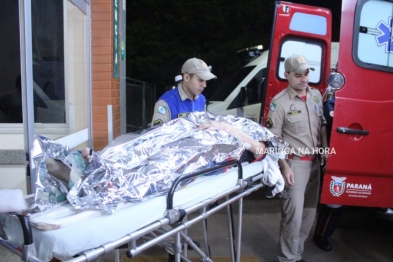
(279, 95)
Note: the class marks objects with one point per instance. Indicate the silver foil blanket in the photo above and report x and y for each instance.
(136, 166)
(50, 190)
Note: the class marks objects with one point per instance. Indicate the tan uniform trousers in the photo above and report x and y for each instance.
(298, 208)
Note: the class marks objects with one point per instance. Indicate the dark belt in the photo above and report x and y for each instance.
(303, 158)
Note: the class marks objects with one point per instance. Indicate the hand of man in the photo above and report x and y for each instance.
(287, 172)
(289, 177)
(324, 158)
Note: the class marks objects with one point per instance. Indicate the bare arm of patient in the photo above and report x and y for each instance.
(256, 147)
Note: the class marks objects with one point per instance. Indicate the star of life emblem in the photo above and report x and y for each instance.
(337, 186)
(385, 36)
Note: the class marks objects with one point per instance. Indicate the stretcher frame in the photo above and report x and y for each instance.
(154, 233)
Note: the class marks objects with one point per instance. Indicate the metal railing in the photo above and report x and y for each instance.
(140, 100)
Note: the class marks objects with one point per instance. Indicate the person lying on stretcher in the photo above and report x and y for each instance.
(257, 148)
(138, 165)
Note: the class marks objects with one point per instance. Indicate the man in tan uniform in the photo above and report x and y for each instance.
(296, 114)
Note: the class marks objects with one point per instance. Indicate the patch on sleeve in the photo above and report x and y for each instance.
(316, 99)
(162, 110)
(157, 122)
(272, 107)
(269, 123)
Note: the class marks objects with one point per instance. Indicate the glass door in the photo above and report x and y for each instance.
(45, 67)
(58, 89)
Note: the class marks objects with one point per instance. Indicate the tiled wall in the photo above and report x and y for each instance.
(105, 88)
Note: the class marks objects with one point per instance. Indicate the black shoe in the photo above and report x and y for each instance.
(301, 260)
(322, 243)
(171, 258)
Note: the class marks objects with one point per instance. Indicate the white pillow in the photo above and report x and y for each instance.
(12, 200)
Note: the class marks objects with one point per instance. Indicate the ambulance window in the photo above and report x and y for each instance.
(310, 50)
(307, 23)
(373, 47)
(254, 87)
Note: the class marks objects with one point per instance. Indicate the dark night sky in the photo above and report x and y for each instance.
(157, 43)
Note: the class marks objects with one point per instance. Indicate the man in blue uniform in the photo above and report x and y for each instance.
(187, 96)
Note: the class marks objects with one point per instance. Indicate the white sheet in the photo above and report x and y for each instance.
(92, 232)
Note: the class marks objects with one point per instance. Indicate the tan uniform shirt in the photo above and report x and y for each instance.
(297, 121)
(161, 112)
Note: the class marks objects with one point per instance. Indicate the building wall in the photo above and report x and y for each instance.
(105, 88)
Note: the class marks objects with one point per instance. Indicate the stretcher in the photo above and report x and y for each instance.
(70, 235)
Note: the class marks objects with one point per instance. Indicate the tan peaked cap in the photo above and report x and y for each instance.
(297, 64)
(198, 67)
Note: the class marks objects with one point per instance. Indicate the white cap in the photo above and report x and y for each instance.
(178, 78)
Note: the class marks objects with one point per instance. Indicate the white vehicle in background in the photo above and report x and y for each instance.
(243, 93)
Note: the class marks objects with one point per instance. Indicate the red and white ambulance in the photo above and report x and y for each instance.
(360, 167)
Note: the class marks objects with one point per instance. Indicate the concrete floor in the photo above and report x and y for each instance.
(360, 236)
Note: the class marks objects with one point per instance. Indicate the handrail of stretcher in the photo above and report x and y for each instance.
(204, 215)
(176, 182)
(131, 238)
(28, 244)
(92, 254)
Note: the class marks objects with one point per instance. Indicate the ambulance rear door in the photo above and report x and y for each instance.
(298, 29)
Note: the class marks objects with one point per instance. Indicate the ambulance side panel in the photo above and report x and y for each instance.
(360, 166)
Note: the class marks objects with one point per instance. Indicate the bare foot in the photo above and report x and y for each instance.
(86, 154)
